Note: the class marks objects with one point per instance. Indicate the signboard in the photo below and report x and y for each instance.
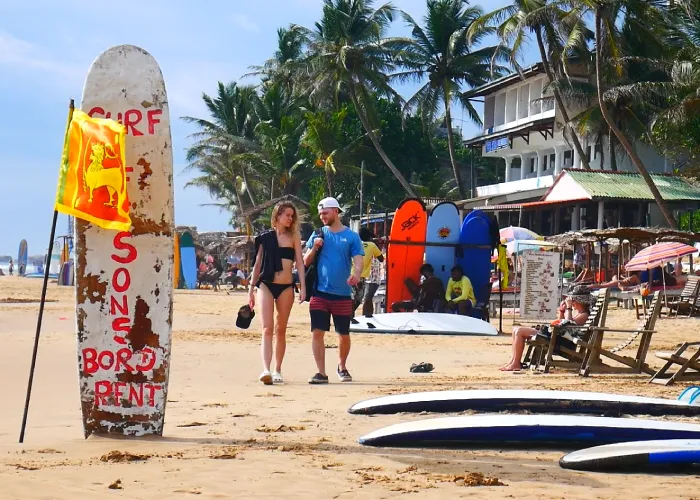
(124, 279)
(496, 144)
(540, 291)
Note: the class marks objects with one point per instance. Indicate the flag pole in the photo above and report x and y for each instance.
(41, 305)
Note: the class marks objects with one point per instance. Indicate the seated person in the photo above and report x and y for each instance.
(623, 281)
(584, 276)
(425, 295)
(459, 294)
(577, 306)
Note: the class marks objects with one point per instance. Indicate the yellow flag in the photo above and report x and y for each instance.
(503, 265)
(92, 180)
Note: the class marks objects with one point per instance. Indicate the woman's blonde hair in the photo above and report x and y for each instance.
(281, 207)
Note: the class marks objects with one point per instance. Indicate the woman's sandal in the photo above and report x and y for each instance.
(421, 368)
(277, 378)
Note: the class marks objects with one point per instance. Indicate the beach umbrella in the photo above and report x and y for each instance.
(657, 255)
(512, 233)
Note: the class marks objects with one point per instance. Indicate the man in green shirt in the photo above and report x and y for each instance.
(460, 294)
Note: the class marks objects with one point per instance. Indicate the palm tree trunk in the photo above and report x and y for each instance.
(451, 143)
(661, 203)
(611, 151)
(560, 101)
(329, 181)
(377, 146)
(244, 174)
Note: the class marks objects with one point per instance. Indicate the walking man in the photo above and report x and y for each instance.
(339, 268)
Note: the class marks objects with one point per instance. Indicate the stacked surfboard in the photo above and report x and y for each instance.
(553, 418)
(417, 238)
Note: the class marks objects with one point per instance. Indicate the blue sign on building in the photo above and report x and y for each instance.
(496, 144)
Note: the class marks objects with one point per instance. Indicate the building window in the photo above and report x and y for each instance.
(532, 165)
(552, 159)
(568, 158)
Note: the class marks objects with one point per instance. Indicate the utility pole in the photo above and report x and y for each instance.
(362, 187)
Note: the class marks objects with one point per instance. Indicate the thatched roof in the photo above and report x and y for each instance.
(271, 203)
(632, 234)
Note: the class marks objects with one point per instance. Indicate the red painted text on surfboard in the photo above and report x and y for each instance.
(145, 119)
(123, 361)
(121, 281)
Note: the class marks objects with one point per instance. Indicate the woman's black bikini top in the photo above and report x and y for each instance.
(286, 253)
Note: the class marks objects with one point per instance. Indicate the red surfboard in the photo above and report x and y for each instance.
(404, 261)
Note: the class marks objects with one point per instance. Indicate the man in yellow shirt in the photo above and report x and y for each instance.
(460, 294)
(364, 291)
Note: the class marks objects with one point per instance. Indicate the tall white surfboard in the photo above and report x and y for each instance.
(124, 279)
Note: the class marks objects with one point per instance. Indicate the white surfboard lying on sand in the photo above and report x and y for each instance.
(415, 323)
(535, 401)
(634, 456)
(526, 429)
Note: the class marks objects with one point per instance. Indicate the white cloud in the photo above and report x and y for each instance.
(245, 23)
(20, 54)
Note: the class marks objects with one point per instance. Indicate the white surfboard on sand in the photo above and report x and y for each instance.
(498, 430)
(124, 290)
(635, 456)
(418, 323)
(536, 401)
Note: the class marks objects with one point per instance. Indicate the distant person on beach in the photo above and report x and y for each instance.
(429, 296)
(460, 293)
(624, 281)
(276, 252)
(364, 291)
(12, 266)
(339, 255)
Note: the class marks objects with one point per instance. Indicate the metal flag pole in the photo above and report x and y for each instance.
(41, 304)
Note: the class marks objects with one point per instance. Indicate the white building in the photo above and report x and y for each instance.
(526, 132)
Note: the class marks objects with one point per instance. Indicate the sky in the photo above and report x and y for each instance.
(47, 46)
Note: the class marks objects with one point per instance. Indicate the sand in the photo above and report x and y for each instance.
(228, 436)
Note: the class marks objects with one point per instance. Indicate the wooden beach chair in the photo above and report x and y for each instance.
(594, 349)
(541, 350)
(687, 300)
(684, 363)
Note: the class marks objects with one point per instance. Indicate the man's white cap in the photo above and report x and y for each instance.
(329, 202)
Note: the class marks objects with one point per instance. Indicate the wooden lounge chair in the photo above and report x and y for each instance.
(594, 349)
(541, 350)
(687, 299)
(684, 364)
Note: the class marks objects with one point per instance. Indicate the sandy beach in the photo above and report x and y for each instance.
(228, 436)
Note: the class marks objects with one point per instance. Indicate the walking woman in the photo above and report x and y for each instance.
(276, 252)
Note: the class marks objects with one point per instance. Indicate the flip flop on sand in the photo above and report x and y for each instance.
(421, 368)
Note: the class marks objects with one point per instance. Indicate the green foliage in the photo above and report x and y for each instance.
(685, 218)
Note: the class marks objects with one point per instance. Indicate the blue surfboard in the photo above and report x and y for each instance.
(670, 453)
(188, 261)
(476, 262)
(509, 429)
(22, 258)
(443, 227)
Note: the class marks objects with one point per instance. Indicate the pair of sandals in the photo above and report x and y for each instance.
(421, 367)
(268, 378)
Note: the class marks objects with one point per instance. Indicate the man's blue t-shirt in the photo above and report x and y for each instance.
(335, 260)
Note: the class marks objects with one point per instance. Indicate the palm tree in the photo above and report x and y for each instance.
(442, 56)
(348, 53)
(602, 10)
(283, 68)
(324, 138)
(549, 24)
(229, 132)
